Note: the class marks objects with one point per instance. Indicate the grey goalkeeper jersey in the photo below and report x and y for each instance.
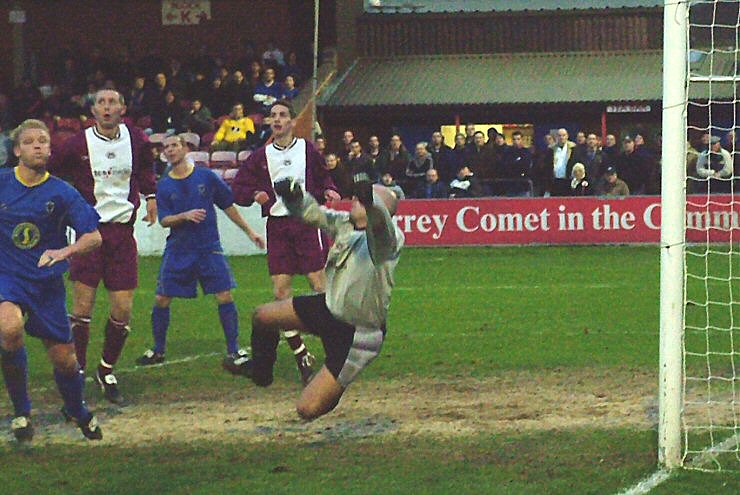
(360, 265)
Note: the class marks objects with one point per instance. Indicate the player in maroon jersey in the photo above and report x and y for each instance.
(110, 165)
(293, 248)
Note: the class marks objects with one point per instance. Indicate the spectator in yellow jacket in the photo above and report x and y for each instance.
(235, 132)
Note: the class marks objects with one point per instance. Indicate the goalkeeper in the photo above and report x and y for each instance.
(350, 317)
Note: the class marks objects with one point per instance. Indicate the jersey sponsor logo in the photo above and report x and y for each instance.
(111, 172)
(26, 235)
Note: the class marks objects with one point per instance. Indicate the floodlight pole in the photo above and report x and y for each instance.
(672, 232)
(315, 79)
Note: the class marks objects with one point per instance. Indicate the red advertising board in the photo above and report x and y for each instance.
(585, 220)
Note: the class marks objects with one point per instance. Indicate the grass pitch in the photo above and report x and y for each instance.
(505, 371)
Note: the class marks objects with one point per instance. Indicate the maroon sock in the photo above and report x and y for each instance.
(115, 337)
(296, 345)
(81, 335)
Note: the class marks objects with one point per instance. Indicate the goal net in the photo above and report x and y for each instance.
(710, 347)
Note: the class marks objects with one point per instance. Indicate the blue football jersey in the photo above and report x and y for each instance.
(34, 219)
(201, 189)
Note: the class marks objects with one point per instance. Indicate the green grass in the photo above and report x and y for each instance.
(456, 313)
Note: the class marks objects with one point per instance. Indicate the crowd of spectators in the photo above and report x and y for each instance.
(163, 95)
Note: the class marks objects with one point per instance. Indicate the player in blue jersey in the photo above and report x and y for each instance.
(35, 211)
(186, 200)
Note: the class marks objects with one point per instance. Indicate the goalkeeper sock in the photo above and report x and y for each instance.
(230, 323)
(160, 323)
(15, 371)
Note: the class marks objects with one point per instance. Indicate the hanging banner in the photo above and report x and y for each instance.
(588, 220)
(185, 12)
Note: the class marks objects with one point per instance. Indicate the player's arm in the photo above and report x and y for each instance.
(307, 209)
(84, 220)
(195, 215)
(84, 244)
(249, 184)
(382, 242)
(239, 221)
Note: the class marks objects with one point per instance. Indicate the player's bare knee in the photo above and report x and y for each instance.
(260, 317)
(282, 293)
(63, 359)
(308, 412)
(11, 336)
(224, 297)
(162, 301)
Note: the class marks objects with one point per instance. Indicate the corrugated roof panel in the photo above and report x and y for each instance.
(502, 79)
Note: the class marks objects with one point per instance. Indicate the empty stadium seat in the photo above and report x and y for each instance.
(157, 138)
(223, 159)
(242, 156)
(198, 158)
(229, 175)
(192, 139)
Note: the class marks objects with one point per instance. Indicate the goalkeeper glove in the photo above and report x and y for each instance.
(363, 188)
(289, 189)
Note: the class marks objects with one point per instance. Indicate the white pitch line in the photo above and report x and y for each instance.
(662, 475)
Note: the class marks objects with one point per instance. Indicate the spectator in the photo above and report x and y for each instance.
(269, 91)
(398, 157)
(178, 79)
(457, 158)
(470, 133)
(609, 151)
(432, 187)
(479, 158)
(347, 137)
(387, 180)
(496, 152)
(136, 100)
(634, 166)
(320, 144)
(172, 117)
(155, 96)
(613, 185)
(26, 101)
(580, 185)
(580, 140)
(441, 156)
(255, 74)
(465, 185)
(492, 133)
(217, 100)
(235, 132)
(340, 174)
(273, 56)
(516, 163)
(237, 89)
(378, 159)
(692, 156)
(418, 166)
(199, 88)
(289, 89)
(590, 156)
(292, 68)
(199, 119)
(359, 162)
(559, 164)
(715, 166)
(704, 143)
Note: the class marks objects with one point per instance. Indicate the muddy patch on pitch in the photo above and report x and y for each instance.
(505, 402)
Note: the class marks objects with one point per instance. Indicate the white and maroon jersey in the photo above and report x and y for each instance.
(264, 167)
(109, 173)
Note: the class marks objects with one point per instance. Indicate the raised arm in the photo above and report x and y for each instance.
(307, 209)
(381, 231)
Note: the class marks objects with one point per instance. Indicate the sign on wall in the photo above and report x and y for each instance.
(185, 12)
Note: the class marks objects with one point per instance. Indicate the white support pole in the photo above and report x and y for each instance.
(672, 232)
(315, 78)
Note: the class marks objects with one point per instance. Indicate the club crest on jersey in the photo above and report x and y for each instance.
(26, 235)
(202, 189)
(50, 207)
(110, 155)
(287, 163)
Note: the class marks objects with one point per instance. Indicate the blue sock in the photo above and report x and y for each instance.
(15, 371)
(160, 323)
(70, 386)
(230, 322)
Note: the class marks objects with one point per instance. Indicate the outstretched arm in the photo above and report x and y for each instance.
(381, 231)
(84, 244)
(239, 221)
(307, 209)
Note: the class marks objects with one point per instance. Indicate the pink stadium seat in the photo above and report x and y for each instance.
(223, 159)
(199, 158)
(219, 172)
(230, 174)
(157, 138)
(192, 139)
(242, 156)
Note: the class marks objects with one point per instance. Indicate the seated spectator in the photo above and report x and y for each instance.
(217, 99)
(154, 98)
(289, 89)
(387, 180)
(340, 174)
(320, 145)
(273, 56)
(715, 166)
(237, 89)
(269, 91)
(135, 102)
(432, 188)
(235, 133)
(417, 167)
(292, 68)
(465, 185)
(199, 119)
(613, 185)
(255, 74)
(264, 133)
(171, 117)
(580, 185)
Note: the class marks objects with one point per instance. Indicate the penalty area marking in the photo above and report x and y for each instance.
(662, 475)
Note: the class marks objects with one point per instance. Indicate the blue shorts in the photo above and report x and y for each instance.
(44, 302)
(180, 273)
